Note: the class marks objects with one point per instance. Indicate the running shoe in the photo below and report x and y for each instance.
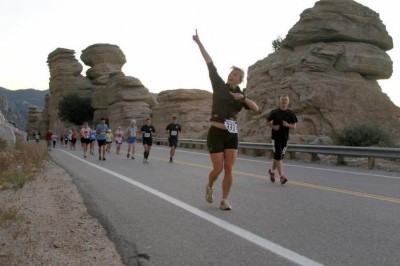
(133, 158)
(271, 176)
(209, 194)
(283, 179)
(127, 155)
(104, 158)
(170, 160)
(100, 157)
(225, 205)
(145, 161)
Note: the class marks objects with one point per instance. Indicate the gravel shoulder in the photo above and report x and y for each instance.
(46, 223)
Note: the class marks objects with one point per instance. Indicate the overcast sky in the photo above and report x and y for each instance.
(156, 37)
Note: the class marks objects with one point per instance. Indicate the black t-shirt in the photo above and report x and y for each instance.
(277, 117)
(147, 131)
(173, 130)
(223, 106)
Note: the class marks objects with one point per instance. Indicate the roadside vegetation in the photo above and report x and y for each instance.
(19, 163)
(365, 135)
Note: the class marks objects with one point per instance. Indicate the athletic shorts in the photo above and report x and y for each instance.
(131, 140)
(101, 142)
(118, 142)
(219, 140)
(173, 142)
(85, 140)
(148, 141)
(279, 149)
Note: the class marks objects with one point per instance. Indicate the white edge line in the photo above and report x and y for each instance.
(253, 238)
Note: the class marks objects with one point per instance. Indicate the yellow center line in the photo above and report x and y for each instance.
(302, 184)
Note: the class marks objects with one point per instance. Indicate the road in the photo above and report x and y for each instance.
(156, 213)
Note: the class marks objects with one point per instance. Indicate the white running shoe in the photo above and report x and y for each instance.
(209, 194)
(225, 205)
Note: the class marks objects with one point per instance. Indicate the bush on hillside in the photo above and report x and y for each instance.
(277, 43)
(365, 135)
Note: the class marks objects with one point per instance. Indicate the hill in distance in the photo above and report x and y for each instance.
(18, 103)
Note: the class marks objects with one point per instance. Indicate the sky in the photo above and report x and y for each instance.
(156, 37)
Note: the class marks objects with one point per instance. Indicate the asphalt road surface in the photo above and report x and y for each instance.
(156, 213)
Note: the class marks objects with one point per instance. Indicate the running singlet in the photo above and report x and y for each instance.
(147, 131)
(101, 131)
(174, 130)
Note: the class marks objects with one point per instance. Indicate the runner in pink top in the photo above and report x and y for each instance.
(85, 133)
(119, 134)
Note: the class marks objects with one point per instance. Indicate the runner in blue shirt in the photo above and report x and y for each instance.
(101, 130)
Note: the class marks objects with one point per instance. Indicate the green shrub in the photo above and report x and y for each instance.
(75, 109)
(3, 144)
(365, 135)
(277, 43)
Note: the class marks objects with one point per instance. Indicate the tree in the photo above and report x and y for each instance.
(277, 43)
(75, 109)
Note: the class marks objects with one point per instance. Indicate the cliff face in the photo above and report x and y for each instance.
(192, 107)
(329, 64)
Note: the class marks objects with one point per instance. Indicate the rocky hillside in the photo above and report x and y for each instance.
(329, 64)
(14, 104)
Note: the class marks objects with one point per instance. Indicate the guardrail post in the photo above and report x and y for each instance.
(340, 160)
(371, 162)
(314, 157)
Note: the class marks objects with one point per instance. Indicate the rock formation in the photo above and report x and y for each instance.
(65, 79)
(192, 107)
(328, 65)
(118, 97)
(11, 112)
(10, 133)
(36, 122)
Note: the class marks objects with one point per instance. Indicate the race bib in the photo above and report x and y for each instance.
(174, 133)
(231, 126)
(147, 135)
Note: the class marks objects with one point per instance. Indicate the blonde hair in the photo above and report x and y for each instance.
(240, 70)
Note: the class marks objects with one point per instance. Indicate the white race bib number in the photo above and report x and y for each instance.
(231, 126)
(147, 135)
(174, 133)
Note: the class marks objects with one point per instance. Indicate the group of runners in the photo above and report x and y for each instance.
(104, 137)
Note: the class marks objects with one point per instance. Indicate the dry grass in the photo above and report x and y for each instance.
(7, 215)
(20, 163)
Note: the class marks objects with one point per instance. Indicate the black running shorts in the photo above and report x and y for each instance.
(173, 142)
(219, 140)
(279, 149)
(148, 141)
